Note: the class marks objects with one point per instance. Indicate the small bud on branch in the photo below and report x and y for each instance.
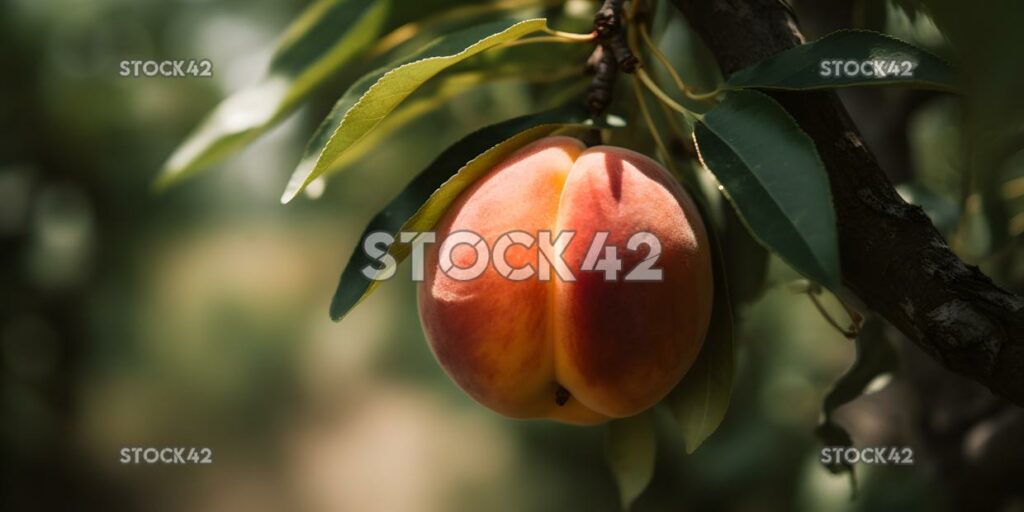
(611, 55)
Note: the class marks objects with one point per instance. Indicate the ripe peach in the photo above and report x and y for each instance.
(579, 351)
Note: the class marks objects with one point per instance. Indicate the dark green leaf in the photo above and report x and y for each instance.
(320, 41)
(630, 447)
(700, 400)
(771, 172)
(746, 260)
(422, 203)
(811, 65)
(374, 96)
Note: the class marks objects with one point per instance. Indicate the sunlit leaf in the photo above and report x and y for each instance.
(374, 96)
(425, 20)
(630, 446)
(771, 172)
(422, 203)
(524, 64)
(889, 61)
(322, 40)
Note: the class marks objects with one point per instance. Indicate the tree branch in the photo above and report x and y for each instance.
(893, 259)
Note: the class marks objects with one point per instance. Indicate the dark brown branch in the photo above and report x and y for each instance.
(611, 54)
(602, 85)
(610, 25)
(893, 259)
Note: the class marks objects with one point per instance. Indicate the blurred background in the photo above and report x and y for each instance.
(198, 317)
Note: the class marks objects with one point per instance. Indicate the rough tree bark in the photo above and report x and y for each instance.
(893, 259)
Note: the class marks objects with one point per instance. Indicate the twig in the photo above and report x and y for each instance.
(707, 96)
(850, 333)
(642, 103)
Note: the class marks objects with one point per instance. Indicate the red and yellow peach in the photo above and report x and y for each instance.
(583, 350)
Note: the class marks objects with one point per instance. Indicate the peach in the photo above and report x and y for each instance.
(580, 349)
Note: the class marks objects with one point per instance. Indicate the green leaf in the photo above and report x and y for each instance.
(875, 357)
(771, 172)
(374, 96)
(700, 400)
(802, 67)
(630, 447)
(521, 63)
(320, 41)
(422, 203)
(746, 260)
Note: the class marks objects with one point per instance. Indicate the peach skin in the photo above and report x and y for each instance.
(581, 349)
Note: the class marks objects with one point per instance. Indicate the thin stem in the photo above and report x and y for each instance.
(664, 98)
(634, 7)
(582, 38)
(573, 36)
(651, 86)
(650, 126)
(856, 320)
(703, 96)
(850, 333)
(686, 174)
(673, 123)
(663, 59)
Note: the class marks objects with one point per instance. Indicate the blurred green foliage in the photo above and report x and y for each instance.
(199, 317)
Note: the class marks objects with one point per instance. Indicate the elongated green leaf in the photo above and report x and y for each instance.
(771, 172)
(877, 59)
(700, 400)
(374, 96)
(322, 40)
(630, 446)
(422, 203)
(516, 63)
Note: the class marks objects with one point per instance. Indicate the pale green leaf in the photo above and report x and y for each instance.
(527, 64)
(320, 41)
(630, 447)
(374, 96)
